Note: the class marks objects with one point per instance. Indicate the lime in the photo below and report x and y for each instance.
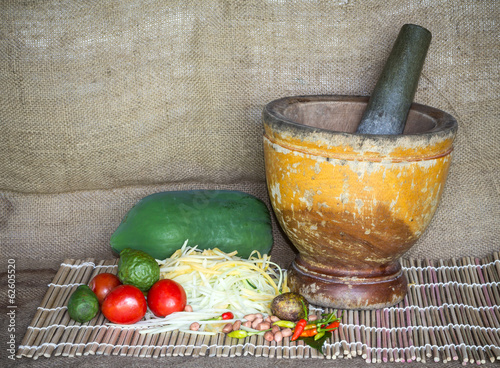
(138, 268)
(83, 304)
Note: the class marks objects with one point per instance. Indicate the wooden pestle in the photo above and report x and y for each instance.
(392, 97)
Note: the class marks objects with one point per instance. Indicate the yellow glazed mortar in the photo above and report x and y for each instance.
(352, 204)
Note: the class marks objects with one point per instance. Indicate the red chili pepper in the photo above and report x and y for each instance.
(299, 328)
(309, 333)
(332, 326)
(227, 315)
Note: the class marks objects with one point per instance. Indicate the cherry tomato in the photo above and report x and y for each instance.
(227, 315)
(166, 297)
(125, 305)
(102, 284)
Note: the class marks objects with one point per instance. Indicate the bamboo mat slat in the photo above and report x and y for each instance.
(451, 313)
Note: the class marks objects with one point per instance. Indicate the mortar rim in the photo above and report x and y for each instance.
(446, 124)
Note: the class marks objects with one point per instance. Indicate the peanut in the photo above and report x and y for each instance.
(247, 324)
(195, 326)
(263, 326)
(275, 329)
(250, 317)
(256, 322)
(286, 332)
(312, 317)
(228, 327)
(274, 319)
(188, 308)
(269, 336)
(236, 325)
(278, 336)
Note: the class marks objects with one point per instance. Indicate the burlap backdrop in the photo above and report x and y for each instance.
(103, 103)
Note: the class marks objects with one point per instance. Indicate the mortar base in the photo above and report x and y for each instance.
(348, 292)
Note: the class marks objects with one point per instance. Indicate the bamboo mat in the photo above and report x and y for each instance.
(451, 312)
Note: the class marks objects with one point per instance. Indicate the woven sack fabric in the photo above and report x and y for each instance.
(105, 102)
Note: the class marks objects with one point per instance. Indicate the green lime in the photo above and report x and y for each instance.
(83, 304)
(138, 268)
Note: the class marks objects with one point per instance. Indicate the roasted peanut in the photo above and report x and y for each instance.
(259, 315)
(274, 319)
(195, 326)
(236, 325)
(268, 319)
(188, 308)
(247, 324)
(263, 326)
(250, 317)
(275, 329)
(228, 327)
(269, 336)
(312, 317)
(256, 322)
(278, 336)
(286, 332)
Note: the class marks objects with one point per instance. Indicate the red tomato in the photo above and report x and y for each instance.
(102, 284)
(125, 305)
(166, 297)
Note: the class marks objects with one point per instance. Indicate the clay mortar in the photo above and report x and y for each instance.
(352, 204)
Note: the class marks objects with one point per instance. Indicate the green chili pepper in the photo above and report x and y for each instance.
(239, 334)
(284, 324)
(319, 335)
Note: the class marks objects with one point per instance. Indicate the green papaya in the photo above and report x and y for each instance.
(160, 223)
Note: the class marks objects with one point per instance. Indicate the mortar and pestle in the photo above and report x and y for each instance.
(355, 181)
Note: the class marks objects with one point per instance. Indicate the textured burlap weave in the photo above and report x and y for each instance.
(102, 103)
(152, 95)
